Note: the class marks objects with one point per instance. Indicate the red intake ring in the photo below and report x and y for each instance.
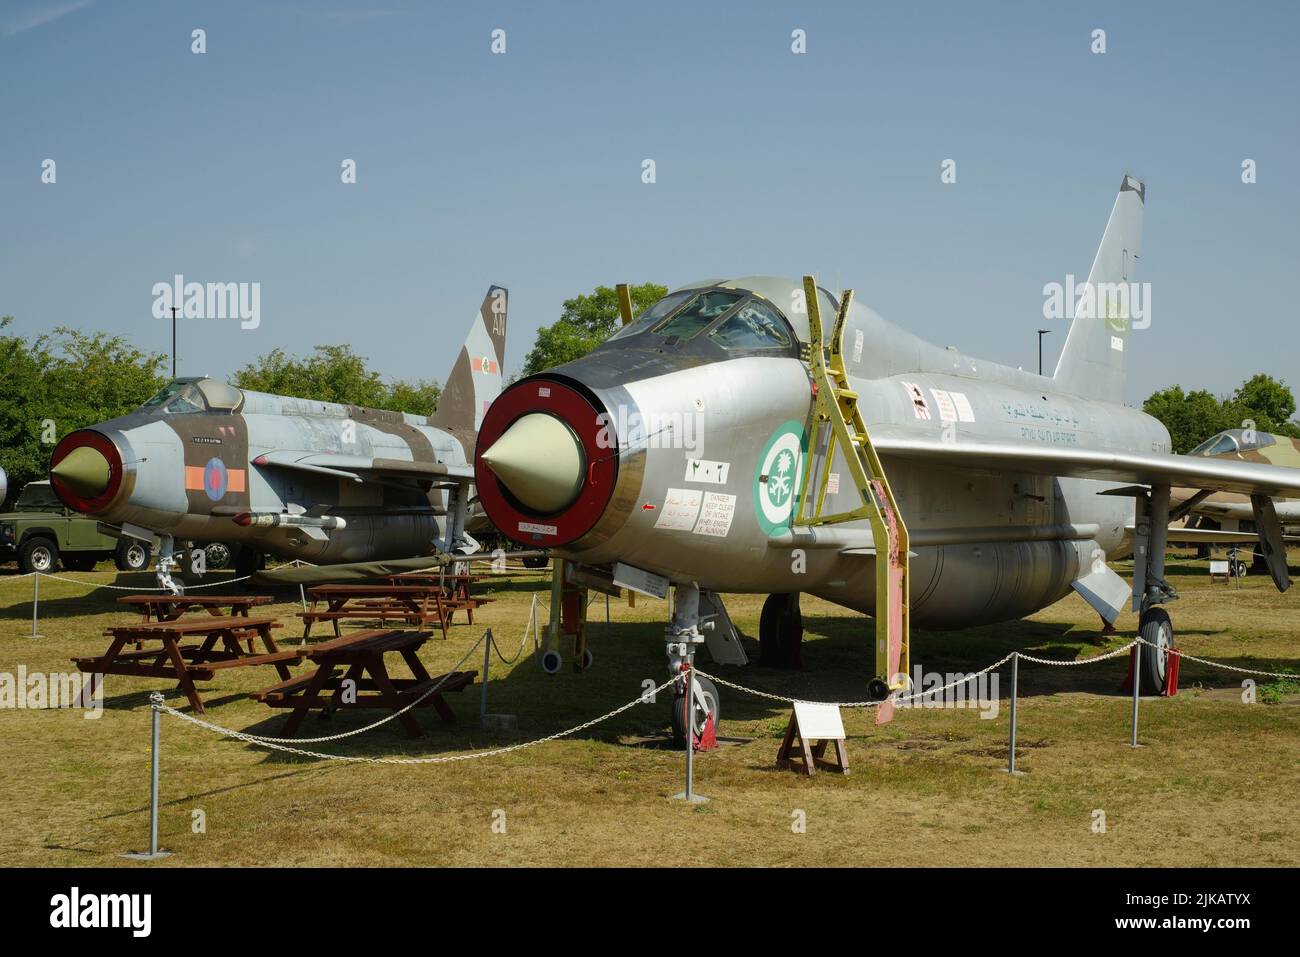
(588, 423)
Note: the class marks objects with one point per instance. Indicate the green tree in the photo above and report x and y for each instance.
(53, 384)
(1268, 402)
(1192, 417)
(336, 374)
(585, 323)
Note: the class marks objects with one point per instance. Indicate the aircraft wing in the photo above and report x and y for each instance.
(1144, 468)
(361, 468)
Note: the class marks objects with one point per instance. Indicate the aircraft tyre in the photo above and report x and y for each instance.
(679, 711)
(1155, 627)
(551, 662)
(780, 632)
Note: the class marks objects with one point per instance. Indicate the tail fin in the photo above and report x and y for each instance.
(475, 379)
(1094, 362)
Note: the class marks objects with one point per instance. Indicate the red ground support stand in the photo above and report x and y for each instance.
(708, 740)
(1171, 673)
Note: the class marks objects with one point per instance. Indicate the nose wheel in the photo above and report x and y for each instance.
(705, 714)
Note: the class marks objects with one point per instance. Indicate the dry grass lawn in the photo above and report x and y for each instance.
(1215, 783)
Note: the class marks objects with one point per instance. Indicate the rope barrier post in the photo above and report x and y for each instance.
(1137, 681)
(1015, 681)
(36, 600)
(482, 701)
(302, 596)
(153, 853)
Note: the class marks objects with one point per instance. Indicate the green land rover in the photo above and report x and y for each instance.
(40, 532)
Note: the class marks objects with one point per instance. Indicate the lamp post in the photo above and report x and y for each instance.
(1041, 333)
(1040, 357)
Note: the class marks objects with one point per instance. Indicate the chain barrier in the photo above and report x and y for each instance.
(1056, 662)
(441, 759)
(135, 588)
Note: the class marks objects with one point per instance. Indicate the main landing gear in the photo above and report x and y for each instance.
(695, 711)
(1150, 588)
(780, 632)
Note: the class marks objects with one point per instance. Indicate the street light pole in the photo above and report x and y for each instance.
(1040, 358)
(1041, 333)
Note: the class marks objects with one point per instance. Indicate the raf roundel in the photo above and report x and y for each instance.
(215, 479)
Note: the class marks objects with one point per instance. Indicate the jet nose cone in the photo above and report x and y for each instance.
(540, 461)
(85, 471)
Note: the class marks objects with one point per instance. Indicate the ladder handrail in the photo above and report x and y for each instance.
(834, 407)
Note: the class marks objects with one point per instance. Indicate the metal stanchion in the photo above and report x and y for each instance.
(1015, 681)
(36, 601)
(688, 704)
(1137, 681)
(482, 701)
(302, 595)
(153, 853)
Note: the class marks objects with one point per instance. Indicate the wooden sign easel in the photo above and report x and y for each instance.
(815, 726)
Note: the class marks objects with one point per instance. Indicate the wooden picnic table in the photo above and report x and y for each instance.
(455, 589)
(189, 663)
(414, 604)
(362, 655)
(170, 607)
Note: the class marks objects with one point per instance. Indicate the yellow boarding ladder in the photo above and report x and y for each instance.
(837, 421)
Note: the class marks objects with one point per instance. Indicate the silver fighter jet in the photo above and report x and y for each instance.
(674, 454)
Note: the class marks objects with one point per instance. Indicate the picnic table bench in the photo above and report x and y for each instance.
(362, 655)
(189, 663)
(414, 604)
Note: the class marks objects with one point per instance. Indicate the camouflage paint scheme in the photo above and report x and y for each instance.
(1233, 512)
(386, 474)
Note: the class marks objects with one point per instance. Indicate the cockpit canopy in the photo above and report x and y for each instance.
(735, 320)
(196, 395)
(1233, 440)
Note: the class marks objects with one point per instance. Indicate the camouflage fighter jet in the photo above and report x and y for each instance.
(673, 455)
(320, 481)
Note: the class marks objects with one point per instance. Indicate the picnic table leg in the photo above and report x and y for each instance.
(354, 673)
(269, 644)
(443, 615)
(182, 672)
(415, 664)
(389, 694)
(303, 705)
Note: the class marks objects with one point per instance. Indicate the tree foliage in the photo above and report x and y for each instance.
(1192, 417)
(585, 323)
(54, 384)
(336, 374)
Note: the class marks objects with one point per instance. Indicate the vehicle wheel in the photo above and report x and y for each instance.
(536, 561)
(701, 715)
(1240, 568)
(586, 660)
(216, 555)
(551, 662)
(247, 561)
(132, 555)
(1155, 627)
(38, 554)
(780, 632)
(80, 562)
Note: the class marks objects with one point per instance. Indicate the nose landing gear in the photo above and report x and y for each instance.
(695, 709)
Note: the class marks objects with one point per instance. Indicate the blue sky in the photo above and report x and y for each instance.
(525, 168)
